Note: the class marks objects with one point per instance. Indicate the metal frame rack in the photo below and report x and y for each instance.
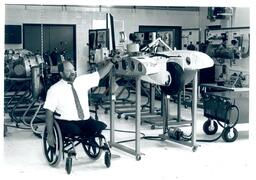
(136, 151)
(180, 122)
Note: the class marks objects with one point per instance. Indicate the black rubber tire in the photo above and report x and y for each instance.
(68, 166)
(118, 116)
(94, 152)
(53, 154)
(107, 159)
(138, 157)
(226, 134)
(194, 148)
(206, 127)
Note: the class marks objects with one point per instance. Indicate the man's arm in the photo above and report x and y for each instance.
(49, 126)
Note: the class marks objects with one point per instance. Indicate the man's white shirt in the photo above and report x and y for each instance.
(60, 97)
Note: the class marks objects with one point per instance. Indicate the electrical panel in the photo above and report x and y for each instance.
(98, 44)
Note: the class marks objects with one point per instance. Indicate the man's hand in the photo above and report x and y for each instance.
(51, 139)
(115, 56)
(115, 59)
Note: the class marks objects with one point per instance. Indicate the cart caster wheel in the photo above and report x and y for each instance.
(186, 106)
(105, 111)
(118, 116)
(210, 128)
(229, 134)
(126, 117)
(68, 165)
(153, 127)
(138, 157)
(194, 148)
(107, 159)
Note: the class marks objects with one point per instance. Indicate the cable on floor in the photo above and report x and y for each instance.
(18, 127)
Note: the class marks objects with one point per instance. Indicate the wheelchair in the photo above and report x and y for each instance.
(93, 147)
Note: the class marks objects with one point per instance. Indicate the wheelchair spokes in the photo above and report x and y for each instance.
(92, 147)
(53, 154)
(50, 153)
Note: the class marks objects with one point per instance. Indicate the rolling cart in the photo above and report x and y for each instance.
(221, 109)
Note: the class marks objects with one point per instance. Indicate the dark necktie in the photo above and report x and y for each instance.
(78, 104)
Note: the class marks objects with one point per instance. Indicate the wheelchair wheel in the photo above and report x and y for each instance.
(53, 154)
(92, 147)
(68, 166)
(107, 159)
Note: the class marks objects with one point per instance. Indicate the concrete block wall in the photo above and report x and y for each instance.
(83, 17)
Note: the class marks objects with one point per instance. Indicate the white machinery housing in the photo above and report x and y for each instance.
(151, 69)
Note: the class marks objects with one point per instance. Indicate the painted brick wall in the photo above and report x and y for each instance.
(83, 17)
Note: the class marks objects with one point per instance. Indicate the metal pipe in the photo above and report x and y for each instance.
(138, 115)
(112, 107)
(194, 108)
(36, 86)
(152, 98)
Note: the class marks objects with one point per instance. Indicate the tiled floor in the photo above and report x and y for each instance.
(23, 156)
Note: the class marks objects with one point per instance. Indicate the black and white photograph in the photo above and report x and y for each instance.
(127, 90)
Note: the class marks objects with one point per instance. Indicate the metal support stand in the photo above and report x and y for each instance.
(136, 152)
(194, 110)
(152, 98)
(191, 143)
(150, 115)
(179, 104)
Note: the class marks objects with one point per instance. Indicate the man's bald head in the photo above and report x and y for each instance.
(63, 65)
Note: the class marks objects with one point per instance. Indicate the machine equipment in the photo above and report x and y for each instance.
(18, 63)
(25, 88)
(151, 69)
(226, 99)
(171, 69)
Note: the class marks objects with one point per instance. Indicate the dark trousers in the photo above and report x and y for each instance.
(87, 128)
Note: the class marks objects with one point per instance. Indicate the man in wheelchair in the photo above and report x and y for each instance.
(67, 109)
